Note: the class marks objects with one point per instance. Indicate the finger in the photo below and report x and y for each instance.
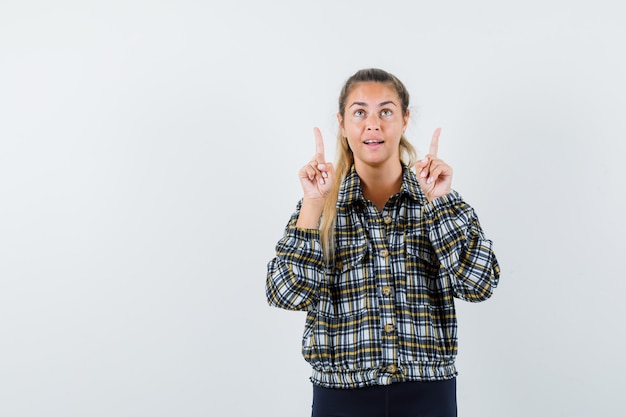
(422, 167)
(309, 172)
(435, 172)
(434, 142)
(319, 146)
(320, 169)
(438, 169)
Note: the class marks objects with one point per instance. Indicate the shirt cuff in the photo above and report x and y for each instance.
(445, 201)
(304, 234)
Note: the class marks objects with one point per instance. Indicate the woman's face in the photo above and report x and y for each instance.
(373, 122)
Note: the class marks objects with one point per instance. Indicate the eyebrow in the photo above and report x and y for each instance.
(363, 104)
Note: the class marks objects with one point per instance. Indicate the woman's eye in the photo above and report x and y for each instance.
(386, 112)
(359, 113)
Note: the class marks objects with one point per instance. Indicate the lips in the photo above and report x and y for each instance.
(373, 141)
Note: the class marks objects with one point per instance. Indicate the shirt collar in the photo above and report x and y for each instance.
(350, 190)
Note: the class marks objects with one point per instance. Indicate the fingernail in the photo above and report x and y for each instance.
(425, 159)
(429, 180)
(321, 166)
(325, 174)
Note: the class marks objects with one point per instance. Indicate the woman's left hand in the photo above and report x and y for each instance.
(434, 175)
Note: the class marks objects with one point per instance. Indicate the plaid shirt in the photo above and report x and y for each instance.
(384, 310)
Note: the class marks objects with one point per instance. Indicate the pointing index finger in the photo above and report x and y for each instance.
(319, 146)
(434, 142)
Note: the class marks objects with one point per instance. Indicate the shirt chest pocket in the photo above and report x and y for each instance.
(349, 283)
(422, 268)
(418, 248)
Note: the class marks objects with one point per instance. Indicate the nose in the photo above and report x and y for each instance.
(373, 123)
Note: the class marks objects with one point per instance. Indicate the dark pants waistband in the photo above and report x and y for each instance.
(401, 399)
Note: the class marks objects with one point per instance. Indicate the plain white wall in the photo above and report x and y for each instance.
(148, 160)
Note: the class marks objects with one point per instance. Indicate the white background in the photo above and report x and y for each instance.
(148, 164)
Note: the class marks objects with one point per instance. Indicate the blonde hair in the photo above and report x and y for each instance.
(345, 158)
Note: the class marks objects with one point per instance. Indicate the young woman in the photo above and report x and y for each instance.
(375, 253)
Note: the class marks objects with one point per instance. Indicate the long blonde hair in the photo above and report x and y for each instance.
(345, 158)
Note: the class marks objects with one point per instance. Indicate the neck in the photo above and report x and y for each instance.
(380, 183)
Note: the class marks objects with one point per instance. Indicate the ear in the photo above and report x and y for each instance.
(407, 116)
(340, 121)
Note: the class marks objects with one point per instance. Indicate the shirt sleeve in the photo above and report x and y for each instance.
(294, 275)
(461, 247)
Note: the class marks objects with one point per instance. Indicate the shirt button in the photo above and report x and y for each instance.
(389, 328)
(392, 369)
(386, 291)
(387, 219)
(384, 253)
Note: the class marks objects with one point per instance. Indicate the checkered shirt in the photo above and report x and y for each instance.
(384, 310)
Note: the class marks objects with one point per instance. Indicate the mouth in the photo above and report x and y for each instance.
(373, 142)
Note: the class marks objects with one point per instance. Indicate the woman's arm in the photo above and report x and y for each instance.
(293, 276)
(461, 247)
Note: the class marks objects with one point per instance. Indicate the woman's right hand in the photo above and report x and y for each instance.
(318, 176)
